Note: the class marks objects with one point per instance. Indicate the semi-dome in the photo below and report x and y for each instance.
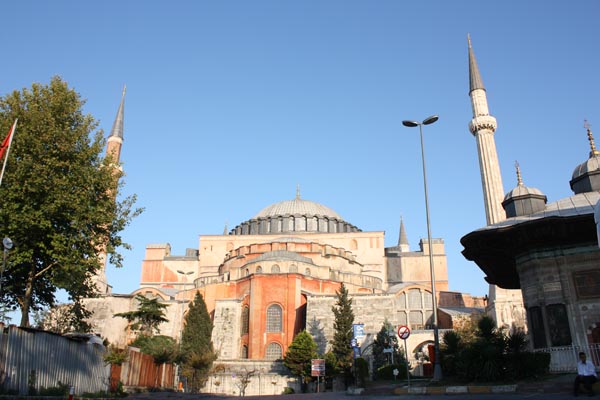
(294, 216)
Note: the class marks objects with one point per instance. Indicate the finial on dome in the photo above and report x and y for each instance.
(588, 127)
(298, 192)
(519, 178)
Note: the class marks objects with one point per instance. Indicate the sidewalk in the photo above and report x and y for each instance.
(562, 383)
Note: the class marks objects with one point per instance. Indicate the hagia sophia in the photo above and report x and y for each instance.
(277, 273)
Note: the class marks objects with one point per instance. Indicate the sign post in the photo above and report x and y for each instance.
(317, 368)
(404, 333)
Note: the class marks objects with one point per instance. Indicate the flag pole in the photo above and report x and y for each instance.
(11, 134)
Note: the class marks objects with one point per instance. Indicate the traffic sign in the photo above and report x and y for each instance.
(317, 367)
(403, 332)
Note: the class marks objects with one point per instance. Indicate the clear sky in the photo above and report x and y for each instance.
(232, 104)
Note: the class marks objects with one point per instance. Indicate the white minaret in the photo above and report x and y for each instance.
(504, 305)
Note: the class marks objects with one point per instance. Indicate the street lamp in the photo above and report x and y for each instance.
(437, 369)
(177, 370)
(185, 275)
(8, 244)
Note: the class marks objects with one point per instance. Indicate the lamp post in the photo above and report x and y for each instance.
(437, 369)
(8, 244)
(185, 275)
(177, 370)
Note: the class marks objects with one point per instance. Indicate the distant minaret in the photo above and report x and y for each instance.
(402, 239)
(113, 150)
(503, 304)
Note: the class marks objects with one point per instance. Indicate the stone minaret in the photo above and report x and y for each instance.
(503, 305)
(113, 150)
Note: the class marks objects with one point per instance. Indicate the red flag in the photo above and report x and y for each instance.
(7, 140)
(5, 148)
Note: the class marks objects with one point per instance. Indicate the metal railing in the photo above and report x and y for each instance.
(564, 358)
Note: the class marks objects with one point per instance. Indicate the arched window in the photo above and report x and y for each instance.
(293, 268)
(274, 317)
(244, 351)
(273, 351)
(275, 269)
(416, 320)
(259, 269)
(245, 320)
(414, 299)
(307, 272)
(428, 301)
(246, 272)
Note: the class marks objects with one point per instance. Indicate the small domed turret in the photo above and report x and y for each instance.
(523, 200)
(586, 177)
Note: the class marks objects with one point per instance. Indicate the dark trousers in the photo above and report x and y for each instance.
(587, 382)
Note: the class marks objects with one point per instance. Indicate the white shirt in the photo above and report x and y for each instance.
(586, 369)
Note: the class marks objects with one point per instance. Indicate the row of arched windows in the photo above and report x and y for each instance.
(274, 351)
(275, 269)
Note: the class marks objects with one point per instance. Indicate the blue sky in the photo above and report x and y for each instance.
(232, 104)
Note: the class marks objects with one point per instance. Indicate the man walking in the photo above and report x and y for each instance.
(586, 375)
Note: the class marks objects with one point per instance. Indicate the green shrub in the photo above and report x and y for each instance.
(288, 390)
(387, 372)
(61, 390)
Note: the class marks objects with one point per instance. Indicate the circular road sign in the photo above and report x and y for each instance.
(403, 332)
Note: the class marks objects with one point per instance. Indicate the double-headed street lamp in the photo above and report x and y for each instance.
(437, 369)
(185, 275)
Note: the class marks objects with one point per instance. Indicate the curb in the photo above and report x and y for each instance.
(457, 389)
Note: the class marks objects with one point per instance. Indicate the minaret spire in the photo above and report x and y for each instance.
(402, 239)
(298, 192)
(475, 81)
(115, 140)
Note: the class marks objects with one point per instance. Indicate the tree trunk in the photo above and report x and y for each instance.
(26, 301)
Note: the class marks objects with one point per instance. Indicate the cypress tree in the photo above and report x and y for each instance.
(197, 352)
(343, 334)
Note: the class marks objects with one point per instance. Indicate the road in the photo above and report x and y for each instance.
(342, 395)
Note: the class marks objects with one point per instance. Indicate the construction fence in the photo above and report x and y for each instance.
(32, 359)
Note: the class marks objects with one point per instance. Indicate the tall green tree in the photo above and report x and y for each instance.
(163, 349)
(197, 351)
(298, 357)
(386, 339)
(147, 318)
(57, 199)
(343, 333)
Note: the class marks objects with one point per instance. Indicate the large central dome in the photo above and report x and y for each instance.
(294, 216)
(297, 206)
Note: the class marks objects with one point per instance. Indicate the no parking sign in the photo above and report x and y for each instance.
(403, 332)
